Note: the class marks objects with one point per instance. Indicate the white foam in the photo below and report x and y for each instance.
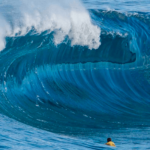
(4, 31)
(66, 18)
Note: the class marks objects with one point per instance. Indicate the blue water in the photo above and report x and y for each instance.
(73, 73)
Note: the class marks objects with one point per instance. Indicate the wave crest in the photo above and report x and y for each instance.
(67, 18)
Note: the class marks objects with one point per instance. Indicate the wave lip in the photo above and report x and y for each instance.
(64, 18)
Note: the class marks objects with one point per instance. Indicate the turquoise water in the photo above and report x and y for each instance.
(73, 73)
(15, 135)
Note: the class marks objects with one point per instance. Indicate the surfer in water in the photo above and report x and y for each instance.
(110, 143)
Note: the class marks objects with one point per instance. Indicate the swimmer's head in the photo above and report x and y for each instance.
(109, 139)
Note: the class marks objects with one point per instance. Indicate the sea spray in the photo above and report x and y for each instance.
(67, 18)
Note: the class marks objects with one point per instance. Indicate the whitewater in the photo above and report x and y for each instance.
(73, 73)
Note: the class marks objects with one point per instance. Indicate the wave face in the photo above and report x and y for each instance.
(70, 70)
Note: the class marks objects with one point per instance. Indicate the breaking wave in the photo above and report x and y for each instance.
(70, 70)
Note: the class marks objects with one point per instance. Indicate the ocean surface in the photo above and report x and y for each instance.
(73, 73)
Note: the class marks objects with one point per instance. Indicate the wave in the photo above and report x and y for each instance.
(70, 70)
